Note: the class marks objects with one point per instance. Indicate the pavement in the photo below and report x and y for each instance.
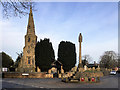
(110, 81)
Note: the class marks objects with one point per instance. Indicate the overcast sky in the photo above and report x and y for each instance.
(98, 23)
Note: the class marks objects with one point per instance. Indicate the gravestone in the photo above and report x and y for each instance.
(49, 71)
(93, 68)
(62, 71)
(98, 69)
(85, 68)
(38, 69)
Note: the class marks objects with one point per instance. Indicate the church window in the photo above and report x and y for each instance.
(28, 51)
(29, 61)
(28, 26)
(28, 39)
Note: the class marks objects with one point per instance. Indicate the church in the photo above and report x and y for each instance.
(27, 62)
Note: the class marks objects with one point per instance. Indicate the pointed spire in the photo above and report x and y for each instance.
(80, 38)
(30, 27)
(30, 9)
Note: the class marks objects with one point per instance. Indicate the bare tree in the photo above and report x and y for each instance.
(20, 55)
(15, 8)
(86, 59)
(109, 60)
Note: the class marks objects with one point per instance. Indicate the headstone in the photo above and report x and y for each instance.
(62, 71)
(74, 69)
(89, 69)
(49, 71)
(16, 69)
(93, 68)
(60, 75)
(98, 69)
(106, 69)
(85, 68)
(38, 69)
(58, 71)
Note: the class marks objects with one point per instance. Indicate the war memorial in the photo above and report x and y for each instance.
(26, 67)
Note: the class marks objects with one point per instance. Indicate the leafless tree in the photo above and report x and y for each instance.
(15, 8)
(109, 60)
(87, 58)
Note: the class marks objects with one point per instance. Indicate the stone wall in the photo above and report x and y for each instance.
(26, 75)
(49, 76)
(92, 74)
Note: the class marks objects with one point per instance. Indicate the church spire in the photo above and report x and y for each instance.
(30, 27)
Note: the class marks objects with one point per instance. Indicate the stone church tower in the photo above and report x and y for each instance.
(27, 62)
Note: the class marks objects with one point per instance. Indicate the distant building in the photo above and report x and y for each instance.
(27, 62)
(85, 62)
(93, 65)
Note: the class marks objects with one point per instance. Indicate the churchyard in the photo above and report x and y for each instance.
(36, 66)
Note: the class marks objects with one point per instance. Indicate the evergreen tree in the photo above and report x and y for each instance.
(44, 54)
(67, 55)
(7, 60)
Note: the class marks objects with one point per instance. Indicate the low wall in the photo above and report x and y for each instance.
(93, 74)
(26, 75)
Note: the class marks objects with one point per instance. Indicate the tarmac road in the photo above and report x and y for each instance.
(110, 81)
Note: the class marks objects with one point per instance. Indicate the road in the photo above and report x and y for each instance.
(106, 82)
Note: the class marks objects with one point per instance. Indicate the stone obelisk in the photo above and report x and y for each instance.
(80, 55)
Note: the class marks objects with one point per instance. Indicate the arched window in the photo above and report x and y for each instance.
(29, 26)
(28, 39)
(29, 61)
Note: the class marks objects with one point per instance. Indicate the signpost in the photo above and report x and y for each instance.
(4, 69)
